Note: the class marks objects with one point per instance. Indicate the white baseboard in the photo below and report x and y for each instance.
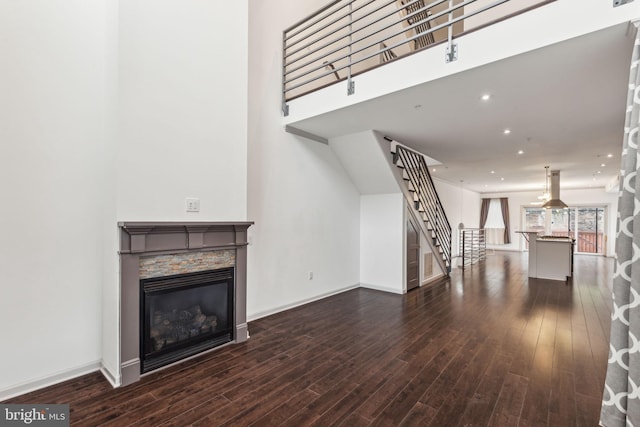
(269, 312)
(67, 374)
(383, 288)
(432, 279)
(114, 380)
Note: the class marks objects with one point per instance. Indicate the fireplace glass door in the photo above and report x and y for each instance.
(185, 314)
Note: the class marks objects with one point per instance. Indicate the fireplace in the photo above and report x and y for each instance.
(170, 274)
(183, 315)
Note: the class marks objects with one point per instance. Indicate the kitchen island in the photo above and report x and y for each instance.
(550, 257)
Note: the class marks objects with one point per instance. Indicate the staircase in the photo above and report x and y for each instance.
(426, 202)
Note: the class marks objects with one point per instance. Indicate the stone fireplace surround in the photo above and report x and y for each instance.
(141, 241)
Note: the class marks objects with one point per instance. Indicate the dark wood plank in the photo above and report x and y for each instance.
(588, 409)
(562, 410)
(426, 374)
(281, 413)
(480, 408)
(506, 412)
(461, 395)
(419, 415)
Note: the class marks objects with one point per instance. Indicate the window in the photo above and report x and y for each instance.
(494, 227)
(585, 224)
(494, 219)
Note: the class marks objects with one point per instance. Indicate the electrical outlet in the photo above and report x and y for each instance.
(193, 204)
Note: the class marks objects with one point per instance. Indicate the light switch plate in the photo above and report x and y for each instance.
(193, 204)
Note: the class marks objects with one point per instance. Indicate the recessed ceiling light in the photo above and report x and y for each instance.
(434, 169)
(598, 172)
(507, 131)
(594, 178)
(609, 155)
(486, 97)
(602, 165)
(501, 179)
(520, 151)
(493, 171)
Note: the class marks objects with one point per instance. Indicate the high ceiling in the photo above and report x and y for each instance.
(564, 106)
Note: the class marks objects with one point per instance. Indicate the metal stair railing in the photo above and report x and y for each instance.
(473, 245)
(426, 199)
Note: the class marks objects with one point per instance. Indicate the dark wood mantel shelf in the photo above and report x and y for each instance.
(137, 237)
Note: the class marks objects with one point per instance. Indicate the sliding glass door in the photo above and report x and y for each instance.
(589, 229)
(585, 224)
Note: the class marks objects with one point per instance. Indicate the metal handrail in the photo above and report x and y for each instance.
(426, 198)
(319, 39)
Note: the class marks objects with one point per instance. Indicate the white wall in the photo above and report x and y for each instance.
(52, 180)
(183, 109)
(585, 197)
(460, 205)
(366, 161)
(382, 240)
(110, 262)
(305, 207)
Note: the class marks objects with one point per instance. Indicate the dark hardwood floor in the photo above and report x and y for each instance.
(489, 347)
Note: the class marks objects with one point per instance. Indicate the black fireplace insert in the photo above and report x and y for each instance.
(183, 315)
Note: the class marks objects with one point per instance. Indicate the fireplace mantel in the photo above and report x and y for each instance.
(147, 239)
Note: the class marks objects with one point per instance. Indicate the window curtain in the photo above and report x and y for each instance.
(484, 212)
(494, 226)
(495, 221)
(504, 207)
(621, 397)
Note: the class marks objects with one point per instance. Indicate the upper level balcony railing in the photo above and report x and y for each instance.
(349, 37)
